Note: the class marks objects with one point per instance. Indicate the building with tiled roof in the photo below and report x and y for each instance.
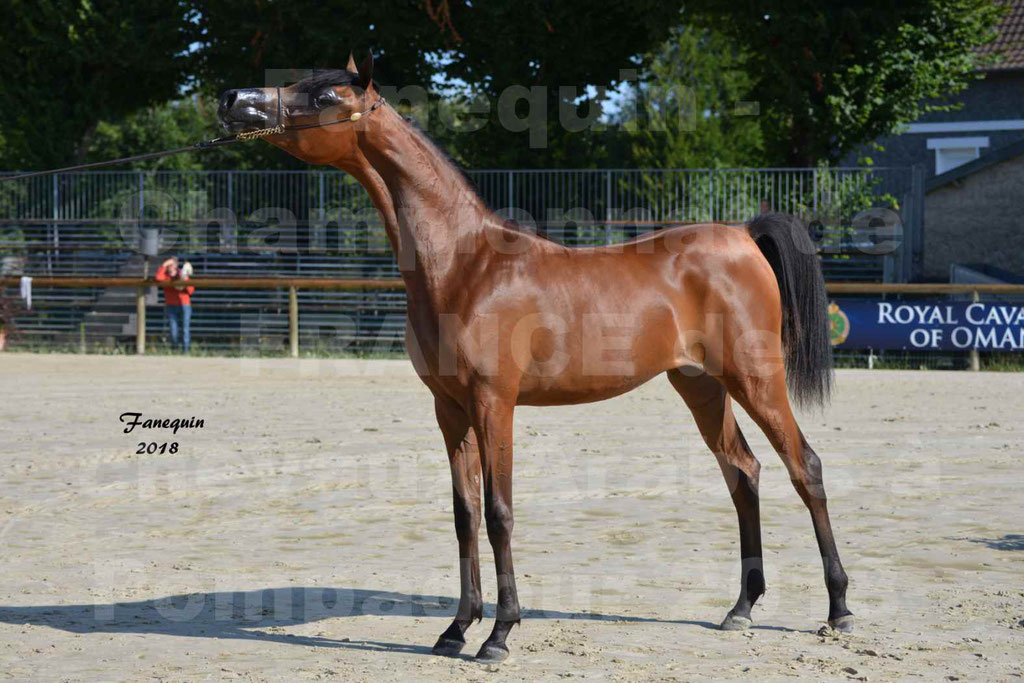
(973, 163)
(991, 114)
(1007, 50)
(974, 157)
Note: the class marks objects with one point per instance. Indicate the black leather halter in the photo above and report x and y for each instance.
(209, 144)
(281, 128)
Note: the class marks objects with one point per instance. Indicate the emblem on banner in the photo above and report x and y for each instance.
(838, 324)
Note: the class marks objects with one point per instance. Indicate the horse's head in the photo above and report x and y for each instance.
(307, 111)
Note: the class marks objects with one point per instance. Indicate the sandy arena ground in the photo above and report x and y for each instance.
(306, 531)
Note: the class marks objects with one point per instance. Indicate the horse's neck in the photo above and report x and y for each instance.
(433, 217)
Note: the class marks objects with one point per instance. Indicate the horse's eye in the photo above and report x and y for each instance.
(324, 99)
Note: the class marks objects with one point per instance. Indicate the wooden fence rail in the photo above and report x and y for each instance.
(217, 282)
(395, 284)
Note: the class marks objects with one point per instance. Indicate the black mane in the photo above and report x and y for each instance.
(322, 78)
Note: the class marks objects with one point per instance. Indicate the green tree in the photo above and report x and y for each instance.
(690, 109)
(69, 64)
(832, 75)
(470, 48)
(564, 48)
(249, 43)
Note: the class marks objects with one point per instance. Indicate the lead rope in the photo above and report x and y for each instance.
(208, 144)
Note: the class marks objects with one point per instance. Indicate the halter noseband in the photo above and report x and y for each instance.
(281, 128)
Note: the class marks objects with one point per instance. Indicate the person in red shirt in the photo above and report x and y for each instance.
(177, 300)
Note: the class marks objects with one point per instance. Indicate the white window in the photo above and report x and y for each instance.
(953, 152)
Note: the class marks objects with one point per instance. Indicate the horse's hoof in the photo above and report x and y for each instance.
(448, 647)
(734, 622)
(492, 653)
(843, 624)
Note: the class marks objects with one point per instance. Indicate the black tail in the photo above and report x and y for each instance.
(787, 246)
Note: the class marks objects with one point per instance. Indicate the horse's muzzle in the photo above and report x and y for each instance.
(245, 109)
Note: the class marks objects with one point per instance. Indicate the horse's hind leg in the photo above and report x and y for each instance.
(767, 402)
(709, 403)
(464, 459)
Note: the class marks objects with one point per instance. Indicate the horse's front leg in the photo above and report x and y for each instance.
(464, 458)
(491, 419)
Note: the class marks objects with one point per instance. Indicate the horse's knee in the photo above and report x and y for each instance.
(746, 463)
(738, 463)
(499, 522)
(467, 518)
(753, 469)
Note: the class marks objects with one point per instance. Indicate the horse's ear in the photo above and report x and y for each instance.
(366, 71)
(351, 66)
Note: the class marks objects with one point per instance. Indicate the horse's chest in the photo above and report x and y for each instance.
(424, 341)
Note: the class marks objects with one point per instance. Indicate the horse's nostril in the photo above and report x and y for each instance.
(229, 99)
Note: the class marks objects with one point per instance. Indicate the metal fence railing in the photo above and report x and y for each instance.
(50, 221)
(229, 223)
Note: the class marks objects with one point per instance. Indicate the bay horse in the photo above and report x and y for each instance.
(499, 316)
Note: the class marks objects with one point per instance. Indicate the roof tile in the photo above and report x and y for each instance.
(1009, 44)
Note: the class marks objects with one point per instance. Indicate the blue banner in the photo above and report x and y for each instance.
(926, 325)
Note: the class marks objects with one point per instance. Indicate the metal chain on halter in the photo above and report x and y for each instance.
(281, 128)
(264, 132)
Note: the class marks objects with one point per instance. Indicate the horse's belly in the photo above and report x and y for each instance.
(558, 391)
(601, 362)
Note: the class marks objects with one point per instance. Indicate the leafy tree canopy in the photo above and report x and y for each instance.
(690, 110)
(478, 49)
(831, 75)
(83, 78)
(68, 64)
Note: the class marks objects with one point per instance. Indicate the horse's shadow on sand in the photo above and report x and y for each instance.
(1007, 542)
(260, 615)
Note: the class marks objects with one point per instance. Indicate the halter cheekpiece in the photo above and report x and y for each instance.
(281, 128)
